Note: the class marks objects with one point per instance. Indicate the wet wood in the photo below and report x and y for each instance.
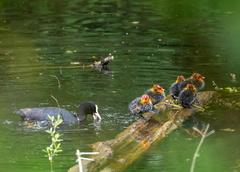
(130, 144)
(96, 64)
(103, 62)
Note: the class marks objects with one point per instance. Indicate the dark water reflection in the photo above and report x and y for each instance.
(152, 42)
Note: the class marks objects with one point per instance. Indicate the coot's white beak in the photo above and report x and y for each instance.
(96, 115)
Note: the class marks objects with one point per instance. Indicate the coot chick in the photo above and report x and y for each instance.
(196, 79)
(141, 105)
(156, 94)
(187, 96)
(175, 87)
(41, 114)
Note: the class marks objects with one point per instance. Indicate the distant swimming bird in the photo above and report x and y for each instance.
(187, 96)
(156, 94)
(175, 87)
(196, 79)
(41, 114)
(141, 105)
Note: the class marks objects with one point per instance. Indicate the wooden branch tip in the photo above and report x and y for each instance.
(103, 62)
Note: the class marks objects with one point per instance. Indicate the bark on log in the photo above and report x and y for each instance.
(129, 145)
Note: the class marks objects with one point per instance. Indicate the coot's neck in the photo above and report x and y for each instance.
(81, 115)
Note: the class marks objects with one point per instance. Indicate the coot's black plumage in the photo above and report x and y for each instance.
(156, 94)
(141, 105)
(187, 96)
(41, 114)
(196, 79)
(175, 87)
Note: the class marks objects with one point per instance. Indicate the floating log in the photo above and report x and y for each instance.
(130, 144)
(96, 64)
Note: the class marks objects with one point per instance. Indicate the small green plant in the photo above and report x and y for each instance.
(55, 146)
(231, 90)
(216, 87)
(228, 89)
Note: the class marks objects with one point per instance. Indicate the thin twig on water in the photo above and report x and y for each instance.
(59, 84)
(60, 70)
(59, 108)
(204, 135)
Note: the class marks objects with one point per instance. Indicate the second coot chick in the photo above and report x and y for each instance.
(196, 79)
(41, 114)
(187, 96)
(141, 105)
(175, 88)
(156, 94)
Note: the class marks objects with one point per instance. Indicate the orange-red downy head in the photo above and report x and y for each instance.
(180, 79)
(190, 87)
(158, 88)
(197, 77)
(145, 99)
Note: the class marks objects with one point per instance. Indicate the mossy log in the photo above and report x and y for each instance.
(130, 144)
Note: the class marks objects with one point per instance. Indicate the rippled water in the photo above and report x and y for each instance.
(152, 42)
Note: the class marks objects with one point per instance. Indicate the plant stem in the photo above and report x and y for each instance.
(51, 166)
(54, 147)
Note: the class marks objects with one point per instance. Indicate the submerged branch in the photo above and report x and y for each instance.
(59, 84)
(196, 154)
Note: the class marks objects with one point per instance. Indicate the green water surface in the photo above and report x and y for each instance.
(152, 42)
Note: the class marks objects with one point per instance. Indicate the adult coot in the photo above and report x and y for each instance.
(41, 114)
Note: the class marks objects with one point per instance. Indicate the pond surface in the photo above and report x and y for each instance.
(152, 42)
